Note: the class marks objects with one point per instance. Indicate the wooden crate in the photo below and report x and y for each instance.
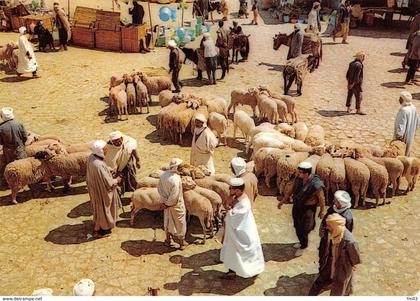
(128, 45)
(108, 40)
(84, 17)
(48, 21)
(107, 20)
(83, 37)
(131, 37)
(15, 22)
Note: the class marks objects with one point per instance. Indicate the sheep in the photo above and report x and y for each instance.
(114, 93)
(216, 104)
(219, 124)
(286, 129)
(23, 172)
(155, 84)
(313, 160)
(145, 198)
(238, 96)
(79, 147)
(201, 207)
(142, 94)
(222, 189)
(156, 174)
(378, 179)
(323, 170)
(358, 175)
(281, 107)
(31, 138)
(267, 107)
(259, 159)
(394, 149)
(181, 121)
(220, 177)
(338, 175)
(316, 136)
(288, 100)
(301, 131)
(270, 163)
(263, 127)
(115, 81)
(195, 172)
(395, 170)
(147, 182)
(215, 200)
(169, 123)
(122, 104)
(165, 98)
(296, 145)
(34, 148)
(287, 167)
(262, 141)
(245, 123)
(411, 171)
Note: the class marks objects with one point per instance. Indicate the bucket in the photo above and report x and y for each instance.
(286, 19)
(198, 30)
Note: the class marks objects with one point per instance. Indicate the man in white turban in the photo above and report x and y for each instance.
(339, 259)
(241, 251)
(123, 159)
(175, 65)
(314, 21)
(102, 189)
(210, 57)
(238, 167)
(203, 144)
(406, 121)
(84, 287)
(174, 214)
(26, 62)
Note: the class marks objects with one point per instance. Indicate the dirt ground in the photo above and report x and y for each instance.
(43, 239)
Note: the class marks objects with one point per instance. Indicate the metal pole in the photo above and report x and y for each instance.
(182, 16)
(68, 7)
(152, 42)
(113, 5)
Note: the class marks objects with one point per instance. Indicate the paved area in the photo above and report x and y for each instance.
(43, 239)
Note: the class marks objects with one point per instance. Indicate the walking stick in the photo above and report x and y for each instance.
(151, 26)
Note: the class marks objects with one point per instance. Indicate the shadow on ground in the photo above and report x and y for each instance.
(273, 67)
(333, 113)
(84, 209)
(298, 285)
(138, 248)
(71, 234)
(394, 85)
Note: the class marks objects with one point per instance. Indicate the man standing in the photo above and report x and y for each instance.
(354, 82)
(204, 143)
(201, 8)
(174, 65)
(241, 251)
(170, 191)
(406, 121)
(102, 191)
(238, 167)
(123, 159)
(413, 57)
(27, 61)
(222, 44)
(12, 137)
(314, 21)
(210, 58)
(63, 25)
(343, 20)
(339, 260)
(306, 194)
(137, 12)
(295, 48)
(243, 9)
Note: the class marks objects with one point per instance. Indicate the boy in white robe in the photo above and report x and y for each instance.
(241, 251)
(27, 62)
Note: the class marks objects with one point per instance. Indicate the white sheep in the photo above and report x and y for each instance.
(245, 123)
(288, 100)
(247, 98)
(145, 198)
(215, 104)
(316, 136)
(259, 159)
(148, 182)
(378, 179)
(222, 189)
(411, 171)
(358, 175)
(218, 123)
(281, 107)
(141, 96)
(155, 84)
(131, 94)
(261, 141)
(115, 81)
(301, 131)
(215, 200)
(286, 129)
(165, 98)
(267, 107)
(118, 100)
(270, 163)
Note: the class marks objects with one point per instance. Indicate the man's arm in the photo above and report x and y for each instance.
(321, 200)
(136, 156)
(400, 126)
(23, 134)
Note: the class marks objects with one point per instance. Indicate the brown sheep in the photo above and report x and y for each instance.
(358, 175)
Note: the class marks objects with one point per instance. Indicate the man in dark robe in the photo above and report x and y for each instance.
(355, 80)
(338, 261)
(174, 65)
(222, 44)
(63, 25)
(201, 8)
(306, 194)
(137, 12)
(12, 137)
(296, 44)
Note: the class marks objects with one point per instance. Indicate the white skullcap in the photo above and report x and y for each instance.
(22, 30)
(98, 148)
(206, 35)
(7, 113)
(236, 182)
(238, 165)
(200, 117)
(84, 287)
(406, 96)
(343, 198)
(115, 135)
(172, 44)
(305, 165)
(175, 162)
(43, 292)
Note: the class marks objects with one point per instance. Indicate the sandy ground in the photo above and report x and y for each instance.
(43, 239)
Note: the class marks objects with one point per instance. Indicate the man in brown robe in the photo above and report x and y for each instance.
(238, 167)
(174, 214)
(63, 25)
(102, 189)
(338, 260)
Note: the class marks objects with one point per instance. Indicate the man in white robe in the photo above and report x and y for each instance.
(241, 252)
(27, 62)
(102, 191)
(203, 144)
(123, 159)
(406, 122)
(174, 214)
(314, 21)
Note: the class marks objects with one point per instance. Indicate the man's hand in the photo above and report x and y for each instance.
(138, 165)
(321, 214)
(350, 86)
(353, 268)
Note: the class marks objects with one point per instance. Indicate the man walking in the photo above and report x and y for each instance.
(62, 24)
(406, 121)
(306, 194)
(123, 159)
(238, 167)
(174, 65)
(204, 143)
(343, 20)
(170, 191)
(241, 251)
(413, 57)
(354, 82)
(295, 48)
(222, 44)
(210, 58)
(102, 188)
(27, 62)
(339, 260)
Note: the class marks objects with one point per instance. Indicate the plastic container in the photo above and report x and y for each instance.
(286, 19)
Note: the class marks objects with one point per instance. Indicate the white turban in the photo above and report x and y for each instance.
(22, 30)
(344, 199)
(7, 114)
(98, 148)
(406, 96)
(236, 182)
(84, 287)
(238, 165)
(115, 135)
(175, 162)
(172, 44)
(305, 165)
(43, 292)
(201, 117)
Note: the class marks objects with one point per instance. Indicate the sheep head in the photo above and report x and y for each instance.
(188, 183)
(57, 149)
(44, 155)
